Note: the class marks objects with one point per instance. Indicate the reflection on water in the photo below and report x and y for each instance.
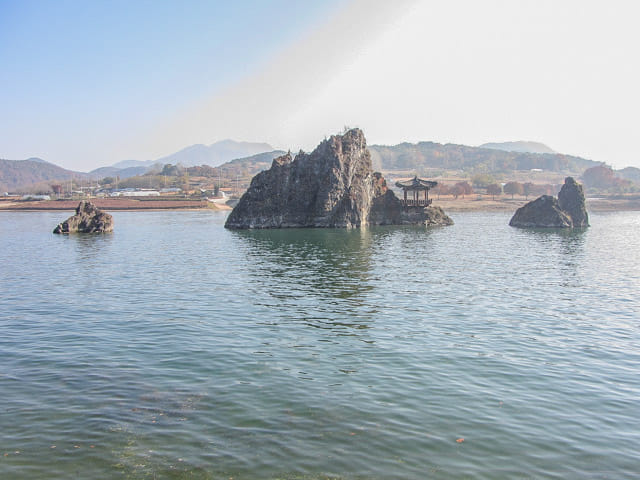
(569, 240)
(323, 273)
(90, 248)
(327, 275)
(569, 248)
(333, 261)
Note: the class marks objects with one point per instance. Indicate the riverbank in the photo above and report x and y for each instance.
(483, 203)
(116, 203)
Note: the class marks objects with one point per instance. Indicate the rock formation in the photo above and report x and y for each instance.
(333, 186)
(542, 212)
(571, 200)
(567, 211)
(431, 215)
(88, 219)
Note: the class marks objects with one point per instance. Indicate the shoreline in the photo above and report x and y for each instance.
(448, 204)
(113, 204)
(484, 204)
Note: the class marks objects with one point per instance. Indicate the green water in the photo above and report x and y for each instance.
(174, 348)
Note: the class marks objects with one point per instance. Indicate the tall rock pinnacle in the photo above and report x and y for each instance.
(333, 186)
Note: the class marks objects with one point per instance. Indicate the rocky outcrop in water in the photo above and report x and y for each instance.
(333, 186)
(88, 219)
(567, 211)
(571, 200)
(542, 212)
(429, 216)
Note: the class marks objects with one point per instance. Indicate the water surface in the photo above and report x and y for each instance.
(174, 348)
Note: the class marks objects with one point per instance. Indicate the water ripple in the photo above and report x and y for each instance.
(176, 349)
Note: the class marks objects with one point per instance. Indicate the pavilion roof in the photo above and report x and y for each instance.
(416, 184)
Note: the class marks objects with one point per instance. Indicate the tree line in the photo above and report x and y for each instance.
(494, 189)
(408, 156)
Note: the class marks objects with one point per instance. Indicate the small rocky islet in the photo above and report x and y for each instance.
(566, 211)
(332, 187)
(88, 219)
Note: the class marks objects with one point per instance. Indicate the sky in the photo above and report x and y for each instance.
(88, 84)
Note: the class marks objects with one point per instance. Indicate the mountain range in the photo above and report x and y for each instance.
(520, 146)
(212, 155)
(417, 158)
(20, 174)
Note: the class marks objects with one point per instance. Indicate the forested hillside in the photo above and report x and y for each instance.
(16, 174)
(418, 156)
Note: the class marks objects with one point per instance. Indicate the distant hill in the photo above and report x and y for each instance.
(18, 174)
(215, 154)
(39, 160)
(629, 173)
(253, 164)
(132, 164)
(199, 154)
(520, 146)
(102, 172)
(242, 158)
(417, 156)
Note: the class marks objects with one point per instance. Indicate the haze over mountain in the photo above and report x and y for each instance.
(519, 146)
(629, 173)
(125, 172)
(129, 164)
(412, 157)
(419, 157)
(20, 174)
(422, 155)
(199, 154)
(250, 165)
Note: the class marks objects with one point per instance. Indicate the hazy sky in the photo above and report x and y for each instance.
(89, 83)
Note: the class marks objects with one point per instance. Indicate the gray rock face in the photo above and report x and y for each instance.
(542, 212)
(567, 211)
(571, 200)
(333, 186)
(386, 208)
(429, 216)
(88, 219)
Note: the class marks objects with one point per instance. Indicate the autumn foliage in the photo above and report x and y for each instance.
(602, 178)
(513, 188)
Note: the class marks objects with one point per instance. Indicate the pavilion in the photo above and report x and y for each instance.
(412, 189)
